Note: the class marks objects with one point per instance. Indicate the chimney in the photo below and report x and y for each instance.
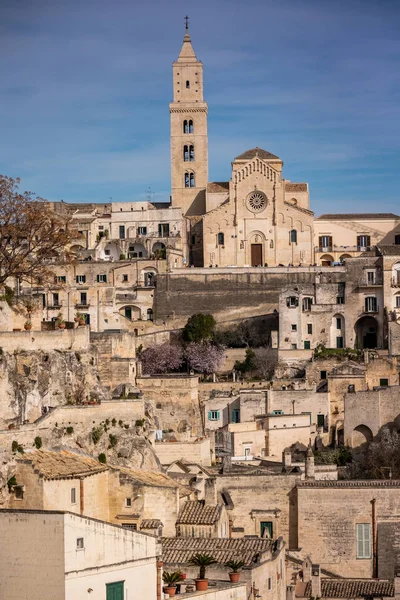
(287, 457)
(306, 566)
(315, 581)
(226, 464)
(210, 492)
(310, 465)
(290, 589)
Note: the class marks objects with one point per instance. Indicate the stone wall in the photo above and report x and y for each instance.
(388, 541)
(198, 452)
(300, 401)
(327, 515)
(46, 341)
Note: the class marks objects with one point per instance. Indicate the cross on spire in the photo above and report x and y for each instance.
(186, 19)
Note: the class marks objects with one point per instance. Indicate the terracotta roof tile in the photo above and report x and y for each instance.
(63, 464)
(359, 216)
(249, 154)
(153, 479)
(352, 588)
(195, 512)
(151, 524)
(392, 250)
(217, 187)
(181, 550)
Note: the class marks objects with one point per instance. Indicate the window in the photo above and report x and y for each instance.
(107, 252)
(266, 526)
(307, 304)
(309, 328)
(269, 583)
(149, 314)
(81, 279)
(397, 239)
(79, 544)
(213, 415)
(19, 492)
(370, 276)
(191, 153)
(132, 526)
(294, 327)
(115, 591)
(292, 301)
(322, 374)
(325, 242)
(60, 279)
(142, 230)
(128, 502)
(187, 126)
(293, 236)
(339, 342)
(186, 153)
(101, 227)
(307, 345)
(163, 229)
(191, 180)
(338, 323)
(122, 232)
(363, 540)
(83, 298)
(56, 300)
(221, 239)
(371, 304)
(383, 382)
(397, 301)
(363, 241)
(339, 299)
(102, 278)
(73, 495)
(124, 277)
(294, 346)
(187, 84)
(236, 415)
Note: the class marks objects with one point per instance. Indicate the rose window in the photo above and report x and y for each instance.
(257, 201)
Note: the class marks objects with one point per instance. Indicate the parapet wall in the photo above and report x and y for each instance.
(61, 339)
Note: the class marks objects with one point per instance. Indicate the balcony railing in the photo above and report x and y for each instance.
(342, 248)
(54, 306)
(395, 282)
(82, 306)
(371, 309)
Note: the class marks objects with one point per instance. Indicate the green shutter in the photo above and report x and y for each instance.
(209, 415)
(115, 591)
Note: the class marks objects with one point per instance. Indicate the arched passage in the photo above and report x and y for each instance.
(344, 256)
(361, 435)
(326, 260)
(133, 313)
(366, 330)
(159, 250)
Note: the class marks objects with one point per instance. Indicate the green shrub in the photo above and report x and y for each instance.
(38, 442)
(113, 422)
(97, 432)
(121, 423)
(12, 481)
(113, 439)
(14, 446)
(70, 430)
(102, 458)
(140, 422)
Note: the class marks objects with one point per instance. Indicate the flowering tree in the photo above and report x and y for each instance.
(161, 358)
(204, 358)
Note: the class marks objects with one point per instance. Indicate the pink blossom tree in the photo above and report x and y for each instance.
(161, 358)
(204, 357)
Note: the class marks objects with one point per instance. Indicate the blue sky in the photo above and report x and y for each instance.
(85, 87)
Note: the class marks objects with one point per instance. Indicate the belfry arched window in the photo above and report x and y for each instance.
(191, 153)
(188, 126)
(186, 153)
(189, 180)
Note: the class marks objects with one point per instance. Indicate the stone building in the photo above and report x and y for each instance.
(57, 554)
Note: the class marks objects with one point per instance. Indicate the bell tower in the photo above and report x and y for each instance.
(189, 139)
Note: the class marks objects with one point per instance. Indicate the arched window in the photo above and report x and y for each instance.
(187, 180)
(221, 239)
(191, 180)
(293, 236)
(185, 126)
(191, 126)
(149, 314)
(191, 153)
(186, 153)
(187, 84)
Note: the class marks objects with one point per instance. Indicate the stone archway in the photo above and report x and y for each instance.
(366, 329)
(326, 260)
(361, 435)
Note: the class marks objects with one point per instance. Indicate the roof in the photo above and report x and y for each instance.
(196, 512)
(153, 479)
(151, 524)
(217, 187)
(352, 588)
(359, 216)
(181, 550)
(353, 483)
(61, 465)
(249, 154)
(392, 250)
(296, 187)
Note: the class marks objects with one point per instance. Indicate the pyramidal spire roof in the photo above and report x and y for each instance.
(187, 53)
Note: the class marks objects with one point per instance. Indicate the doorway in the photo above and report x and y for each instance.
(256, 255)
(115, 591)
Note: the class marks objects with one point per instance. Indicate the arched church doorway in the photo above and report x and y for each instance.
(366, 330)
(256, 255)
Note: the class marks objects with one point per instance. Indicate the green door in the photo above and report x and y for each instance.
(115, 591)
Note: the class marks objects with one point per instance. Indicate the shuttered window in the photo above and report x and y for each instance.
(363, 540)
(213, 415)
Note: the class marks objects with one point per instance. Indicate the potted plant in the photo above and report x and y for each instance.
(60, 321)
(171, 579)
(234, 566)
(28, 325)
(202, 561)
(81, 319)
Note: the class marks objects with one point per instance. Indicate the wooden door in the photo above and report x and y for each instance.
(256, 255)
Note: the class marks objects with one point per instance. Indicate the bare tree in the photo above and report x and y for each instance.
(31, 235)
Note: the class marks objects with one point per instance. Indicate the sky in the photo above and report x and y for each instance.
(85, 87)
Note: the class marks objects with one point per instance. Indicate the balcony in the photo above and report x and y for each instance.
(364, 283)
(370, 310)
(54, 306)
(82, 306)
(342, 248)
(395, 282)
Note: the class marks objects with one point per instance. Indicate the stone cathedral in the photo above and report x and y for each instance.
(258, 218)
